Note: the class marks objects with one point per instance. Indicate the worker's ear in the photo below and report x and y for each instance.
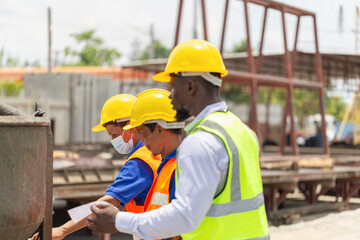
(160, 130)
(191, 87)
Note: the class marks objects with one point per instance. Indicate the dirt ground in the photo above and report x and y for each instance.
(335, 226)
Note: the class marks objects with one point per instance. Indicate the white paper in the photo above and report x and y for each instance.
(80, 212)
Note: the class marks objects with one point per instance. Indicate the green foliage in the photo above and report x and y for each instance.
(10, 88)
(92, 53)
(274, 95)
(35, 63)
(240, 47)
(160, 51)
(306, 102)
(236, 93)
(12, 62)
(335, 106)
(15, 62)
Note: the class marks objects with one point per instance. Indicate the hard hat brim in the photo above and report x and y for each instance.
(162, 77)
(128, 127)
(98, 128)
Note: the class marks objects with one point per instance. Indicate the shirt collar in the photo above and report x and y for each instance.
(171, 155)
(165, 160)
(139, 145)
(215, 107)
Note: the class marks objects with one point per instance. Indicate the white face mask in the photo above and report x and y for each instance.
(121, 146)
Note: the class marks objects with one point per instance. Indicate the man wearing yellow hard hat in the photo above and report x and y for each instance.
(219, 193)
(152, 115)
(139, 171)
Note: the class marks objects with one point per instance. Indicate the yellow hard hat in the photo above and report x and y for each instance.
(152, 104)
(193, 56)
(117, 107)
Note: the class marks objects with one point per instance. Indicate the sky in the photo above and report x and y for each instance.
(120, 23)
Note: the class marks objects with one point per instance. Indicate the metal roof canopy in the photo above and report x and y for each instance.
(259, 69)
(344, 66)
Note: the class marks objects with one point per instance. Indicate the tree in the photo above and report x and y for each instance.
(35, 63)
(335, 106)
(160, 51)
(11, 88)
(92, 53)
(240, 47)
(12, 62)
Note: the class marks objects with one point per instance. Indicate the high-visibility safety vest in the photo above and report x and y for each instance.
(159, 194)
(238, 211)
(144, 154)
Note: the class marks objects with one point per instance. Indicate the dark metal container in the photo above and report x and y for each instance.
(26, 147)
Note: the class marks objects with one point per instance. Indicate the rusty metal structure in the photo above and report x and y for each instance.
(25, 175)
(255, 78)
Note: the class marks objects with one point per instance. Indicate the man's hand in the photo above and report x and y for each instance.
(57, 234)
(103, 218)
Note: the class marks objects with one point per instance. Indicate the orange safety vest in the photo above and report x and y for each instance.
(159, 194)
(144, 154)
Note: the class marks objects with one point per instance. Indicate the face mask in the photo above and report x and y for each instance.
(121, 146)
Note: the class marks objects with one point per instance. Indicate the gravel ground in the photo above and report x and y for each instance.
(335, 226)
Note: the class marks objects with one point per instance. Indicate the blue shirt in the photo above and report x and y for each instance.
(133, 181)
(172, 181)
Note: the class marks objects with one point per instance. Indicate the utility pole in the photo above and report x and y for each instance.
(357, 22)
(195, 20)
(152, 38)
(49, 40)
(340, 26)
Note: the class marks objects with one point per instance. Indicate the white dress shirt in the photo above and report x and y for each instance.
(203, 161)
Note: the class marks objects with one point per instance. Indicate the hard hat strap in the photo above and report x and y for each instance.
(206, 75)
(167, 125)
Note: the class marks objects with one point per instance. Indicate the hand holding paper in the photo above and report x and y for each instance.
(80, 212)
(103, 218)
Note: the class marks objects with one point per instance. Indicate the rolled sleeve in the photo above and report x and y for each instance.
(133, 182)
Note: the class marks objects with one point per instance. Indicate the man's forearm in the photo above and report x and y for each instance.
(70, 226)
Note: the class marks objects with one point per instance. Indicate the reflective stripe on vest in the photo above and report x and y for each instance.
(144, 154)
(159, 194)
(235, 213)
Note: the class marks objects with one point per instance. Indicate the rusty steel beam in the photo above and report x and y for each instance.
(290, 95)
(267, 80)
(319, 75)
(224, 26)
(178, 23)
(204, 19)
(281, 6)
(260, 56)
(283, 128)
(294, 52)
(253, 121)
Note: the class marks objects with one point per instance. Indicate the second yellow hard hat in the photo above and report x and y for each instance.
(152, 104)
(117, 107)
